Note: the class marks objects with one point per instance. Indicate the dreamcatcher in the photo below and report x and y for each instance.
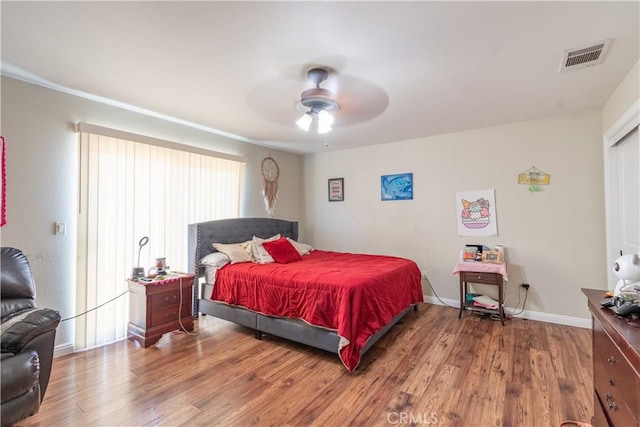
(270, 174)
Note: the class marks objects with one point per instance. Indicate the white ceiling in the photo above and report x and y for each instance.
(402, 70)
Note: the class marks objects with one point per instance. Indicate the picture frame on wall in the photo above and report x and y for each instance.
(336, 189)
(396, 187)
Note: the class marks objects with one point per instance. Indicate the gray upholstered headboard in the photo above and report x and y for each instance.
(235, 230)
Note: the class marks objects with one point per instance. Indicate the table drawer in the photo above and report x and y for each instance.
(486, 278)
(170, 314)
(617, 372)
(169, 298)
(611, 398)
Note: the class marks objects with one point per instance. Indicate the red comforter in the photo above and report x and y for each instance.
(354, 294)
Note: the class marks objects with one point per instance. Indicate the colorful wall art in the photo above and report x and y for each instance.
(396, 187)
(476, 213)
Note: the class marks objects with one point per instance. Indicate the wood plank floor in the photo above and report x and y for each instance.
(432, 369)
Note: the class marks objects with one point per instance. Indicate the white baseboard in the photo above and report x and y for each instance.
(526, 314)
(63, 349)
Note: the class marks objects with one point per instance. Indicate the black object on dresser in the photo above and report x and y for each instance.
(616, 365)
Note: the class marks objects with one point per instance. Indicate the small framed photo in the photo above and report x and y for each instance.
(336, 189)
(492, 257)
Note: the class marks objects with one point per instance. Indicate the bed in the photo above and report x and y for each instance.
(324, 307)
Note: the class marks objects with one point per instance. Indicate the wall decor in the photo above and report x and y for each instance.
(270, 174)
(336, 189)
(534, 177)
(476, 213)
(396, 187)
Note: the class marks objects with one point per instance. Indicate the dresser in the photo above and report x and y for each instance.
(616, 365)
(158, 307)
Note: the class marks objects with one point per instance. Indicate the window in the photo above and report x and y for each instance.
(130, 187)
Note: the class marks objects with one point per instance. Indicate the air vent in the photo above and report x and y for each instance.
(575, 59)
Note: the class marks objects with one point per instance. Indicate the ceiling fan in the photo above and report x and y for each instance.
(279, 100)
(320, 102)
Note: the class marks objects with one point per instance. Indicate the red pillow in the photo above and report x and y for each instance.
(282, 251)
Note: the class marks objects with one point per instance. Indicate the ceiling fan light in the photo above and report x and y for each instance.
(325, 118)
(304, 122)
(324, 129)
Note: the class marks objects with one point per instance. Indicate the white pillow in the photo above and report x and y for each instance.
(302, 248)
(215, 259)
(210, 274)
(235, 251)
(260, 254)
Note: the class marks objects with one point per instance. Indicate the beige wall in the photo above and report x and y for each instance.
(555, 238)
(626, 94)
(42, 148)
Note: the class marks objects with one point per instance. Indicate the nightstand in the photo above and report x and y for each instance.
(159, 306)
(485, 274)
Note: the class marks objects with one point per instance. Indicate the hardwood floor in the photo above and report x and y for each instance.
(432, 369)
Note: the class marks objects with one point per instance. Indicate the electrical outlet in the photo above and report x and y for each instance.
(60, 228)
(525, 285)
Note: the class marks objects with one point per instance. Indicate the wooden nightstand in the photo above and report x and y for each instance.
(486, 274)
(158, 307)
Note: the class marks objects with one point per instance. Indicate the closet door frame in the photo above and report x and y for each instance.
(625, 124)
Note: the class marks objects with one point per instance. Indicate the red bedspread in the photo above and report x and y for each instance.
(354, 294)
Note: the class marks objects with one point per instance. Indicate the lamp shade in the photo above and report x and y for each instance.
(304, 122)
(325, 120)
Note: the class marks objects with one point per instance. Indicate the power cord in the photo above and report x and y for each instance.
(184, 329)
(434, 291)
(526, 293)
(95, 308)
(180, 314)
(492, 316)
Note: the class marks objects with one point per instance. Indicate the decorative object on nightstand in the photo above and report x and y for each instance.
(159, 306)
(482, 273)
(492, 257)
(161, 266)
(270, 174)
(139, 271)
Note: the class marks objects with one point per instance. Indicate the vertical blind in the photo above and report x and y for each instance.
(128, 190)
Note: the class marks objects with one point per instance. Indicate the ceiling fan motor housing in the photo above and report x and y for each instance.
(319, 99)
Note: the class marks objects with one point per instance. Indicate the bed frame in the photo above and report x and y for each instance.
(201, 237)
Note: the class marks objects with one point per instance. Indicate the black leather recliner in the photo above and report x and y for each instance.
(28, 339)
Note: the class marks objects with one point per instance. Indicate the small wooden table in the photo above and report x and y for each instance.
(159, 306)
(483, 273)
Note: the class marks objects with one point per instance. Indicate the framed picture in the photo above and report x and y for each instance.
(492, 257)
(396, 187)
(336, 189)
